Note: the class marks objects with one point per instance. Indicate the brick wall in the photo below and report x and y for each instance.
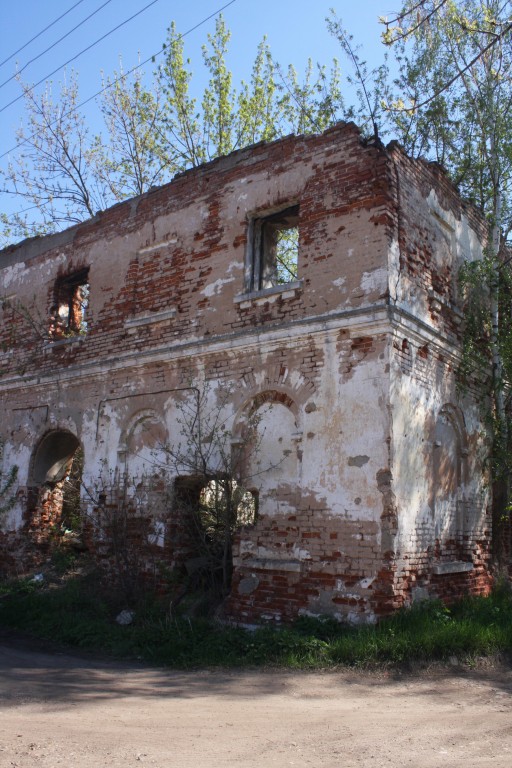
(348, 367)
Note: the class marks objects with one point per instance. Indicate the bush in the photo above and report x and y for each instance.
(79, 613)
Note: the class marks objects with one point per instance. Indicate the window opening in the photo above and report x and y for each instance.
(55, 482)
(71, 300)
(275, 249)
(207, 514)
(226, 503)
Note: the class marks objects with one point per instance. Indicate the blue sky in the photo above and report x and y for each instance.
(295, 30)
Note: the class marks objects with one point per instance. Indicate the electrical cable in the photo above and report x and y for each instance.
(35, 58)
(424, 20)
(73, 58)
(460, 73)
(12, 55)
(121, 77)
(31, 208)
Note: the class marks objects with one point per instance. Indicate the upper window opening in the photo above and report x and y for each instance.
(71, 300)
(275, 249)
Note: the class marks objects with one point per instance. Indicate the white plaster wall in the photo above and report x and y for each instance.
(415, 409)
(345, 437)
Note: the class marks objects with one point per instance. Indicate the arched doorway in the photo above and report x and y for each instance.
(54, 488)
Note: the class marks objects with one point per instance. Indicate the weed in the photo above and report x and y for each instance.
(82, 613)
(63, 560)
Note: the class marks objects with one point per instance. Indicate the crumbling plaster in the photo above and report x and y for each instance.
(350, 365)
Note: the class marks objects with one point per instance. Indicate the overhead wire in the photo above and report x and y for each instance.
(74, 58)
(121, 77)
(31, 208)
(422, 21)
(460, 73)
(12, 55)
(35, 58)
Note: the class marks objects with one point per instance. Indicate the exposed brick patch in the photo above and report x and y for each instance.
(355, 359)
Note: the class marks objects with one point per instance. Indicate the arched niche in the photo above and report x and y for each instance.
(268, 435)
(450, 451)
(55, 482)
(53, 457)
(142, 448)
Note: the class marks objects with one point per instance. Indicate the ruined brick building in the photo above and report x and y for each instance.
(373, 491)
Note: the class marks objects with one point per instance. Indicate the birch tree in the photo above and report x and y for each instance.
(155, 125)
(53, 174)
(455, 106)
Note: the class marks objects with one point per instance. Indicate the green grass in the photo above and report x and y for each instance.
(76, 614)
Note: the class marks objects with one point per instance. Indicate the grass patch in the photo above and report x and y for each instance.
(75, 613)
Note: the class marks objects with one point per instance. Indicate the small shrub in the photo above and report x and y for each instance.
(63, 560)
(81, 612)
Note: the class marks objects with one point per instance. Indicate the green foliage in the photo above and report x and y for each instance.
(54, 170)
(78, 614)
(219, 99)
(473, 281)
(180, 120)
(287, 254)
(63, 560)
(454, 107)
(214, 492)
(476, 366)
(134, 159)
(371, 86)
(155, 126)
(455, 92)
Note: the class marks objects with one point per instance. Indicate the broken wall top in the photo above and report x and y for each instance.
(176, 265)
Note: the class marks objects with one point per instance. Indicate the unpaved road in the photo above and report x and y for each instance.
(58, 710)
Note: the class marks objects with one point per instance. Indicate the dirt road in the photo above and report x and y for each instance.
(58, 710)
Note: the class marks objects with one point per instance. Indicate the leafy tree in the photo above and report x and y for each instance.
(181, 119)
(371, 86)
(456, 86)
(133, 158)
(270, 105)
(315, 103)
(218, 99)
(215, 469)
(152, 131)
(54, 173)
(259, 110)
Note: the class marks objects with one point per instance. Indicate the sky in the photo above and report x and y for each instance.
(295, 30)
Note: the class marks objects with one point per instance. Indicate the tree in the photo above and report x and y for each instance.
(199, 490)
(215, 471)
(371, 85)
(456, 81)
(133, 158)
(65, 174)
(54, 173)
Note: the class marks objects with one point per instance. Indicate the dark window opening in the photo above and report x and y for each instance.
(69, 310)
(207, 515)
(275, 249)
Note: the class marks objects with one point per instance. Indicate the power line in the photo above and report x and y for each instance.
(422, 21)
(121, 77)
(31, 208)
(459, 74)
(35, 58)
(24, 210)
(73, 58)
(40, 33)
